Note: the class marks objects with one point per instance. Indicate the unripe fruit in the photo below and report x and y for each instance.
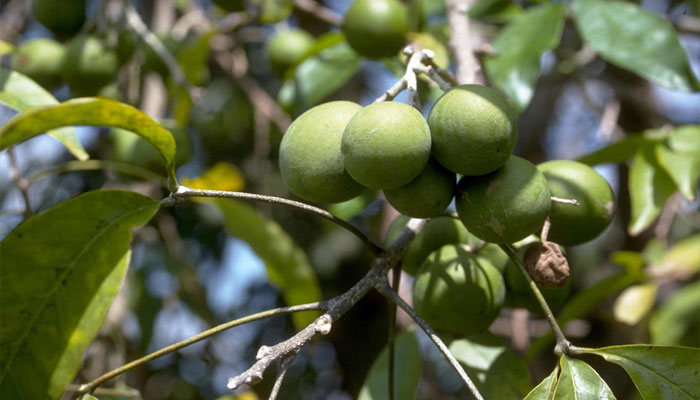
(63, 18)
(436, 233)
(458, 293)
(506, 205)
(386, 145)
(425, 196)
(286, 48)
(571, 224)
(310, 159)
(88, 65)
(376, 28)
(473, 129)
(41, 60)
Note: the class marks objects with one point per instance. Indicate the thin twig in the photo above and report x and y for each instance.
(20, 182)
(128, 392)
(319, 11)
(395, 283)
(284, 366)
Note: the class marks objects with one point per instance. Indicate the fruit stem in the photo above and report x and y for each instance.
(566, 201)
(563, 345)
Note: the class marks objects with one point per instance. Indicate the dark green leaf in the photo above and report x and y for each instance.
(498, 373)
(90, 111)
(60, 270)
(650, 187)
(579, 381)
(678, 318)
(494, 10)
(287, 264)
(634, 39)
(622, 150)
(407, 371)
(545, 389)
(659, 372)
(519, 47)
(20, 93)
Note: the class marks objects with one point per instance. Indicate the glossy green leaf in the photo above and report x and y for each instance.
(682, 167)
(287, 265)
(579, 381)
(659, 372)
(95, 111)
(683, 256)
(497, 372)
(634, 39)
(650, 187)
(545, 390)
(272, 11)
(60, 270)
(19, 92)
(635, 302)
(677, 321)
(407, 370)
(623, 149)
(519, 47)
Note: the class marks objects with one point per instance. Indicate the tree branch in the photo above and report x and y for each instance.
(284, 366)
(460, 40)
(319, 11)
(21, 183)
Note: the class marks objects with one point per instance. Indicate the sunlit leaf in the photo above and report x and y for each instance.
(659, 372)
(19, 92)
(632, 260)
(287, 265)
(645, 43)
(519, 47)
(677, 321)
(60, 270)
(6, 48)
(622, 150)
(579, 381)
(90, 111)
(683, 256)
(407, 371)
(222, 176)
(272, 11)
(685, 139)
(682, 167)
(650, 187)
(634, 303)
(545, 389)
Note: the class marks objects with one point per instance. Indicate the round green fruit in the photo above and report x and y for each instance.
(473, 129)
(571, 224)
(286, 48)
(425, 196)
(88, 65)
(519, 294)
(310, 159)
(506, 205)
(386, 145)
(458, 293)
(436, 233)
(376, 28)
(63, 18)
(230, 5)
(41, 60)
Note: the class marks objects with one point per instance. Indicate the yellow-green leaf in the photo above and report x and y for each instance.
(650, 187)
(634, 303)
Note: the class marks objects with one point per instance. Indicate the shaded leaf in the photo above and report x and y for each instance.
(545, 389)
(678, 318)
(682, 167)
(650, 187)
(494, 10)
(634, 303)
(287, 265)
(60, 270)
(659, 372)
(193, 59)
(634, 39)
(579, 381)
(19, 92)
(407, 370)
(497, 372)
(622, 150)
(516, 66)
(95, 111)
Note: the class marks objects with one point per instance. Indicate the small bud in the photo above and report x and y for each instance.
(323, 325)
(262, 352)
(546, 264)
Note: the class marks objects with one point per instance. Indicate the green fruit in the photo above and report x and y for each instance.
(376, 28)
(41, 60)
(88, 65)
(310, 159)
(436, 233)
(519, 294)
(131, 148)
(288, 47)
(230, 5)
(506, 205)
(425, 196)
(495, 254)
(386, 145)
(62, 17)
(571, 224)
(458, 293)
(473, 129)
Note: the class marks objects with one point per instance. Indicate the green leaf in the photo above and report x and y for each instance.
(319, 76)
(272, 11)
(635, 302)
(650, 187)
(634, 39)
(683, 256)
(193, 59)
(287, 265)
(678, 318)
(622, 150)
(407, 370)
(60, 270)
(19, 92)
(497, 372)
(95, 111)
(519, 47)
(494, 10)
(682, 167)
(6, 48)
(659, 372)
(545, 389)
(685, 139)
(579, 381)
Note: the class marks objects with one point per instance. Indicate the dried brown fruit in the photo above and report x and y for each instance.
(546, 264)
